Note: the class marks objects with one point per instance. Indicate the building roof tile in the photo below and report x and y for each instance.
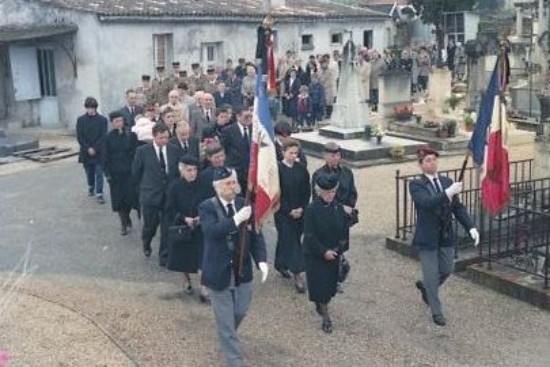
(227, 9)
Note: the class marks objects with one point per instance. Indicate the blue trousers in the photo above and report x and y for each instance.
(94, 176)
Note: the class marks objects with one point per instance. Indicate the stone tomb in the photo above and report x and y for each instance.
(395, 90)
(354, 150)
(11, 144)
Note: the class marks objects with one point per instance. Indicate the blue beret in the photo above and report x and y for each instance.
(190, 160)
(221, 173)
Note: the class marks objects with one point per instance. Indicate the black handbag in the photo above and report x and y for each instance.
(178, 233)
(343, 268)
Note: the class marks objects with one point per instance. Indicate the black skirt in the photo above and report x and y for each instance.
(289, 254)
(322, 276)
(123, 192)
(186, 257)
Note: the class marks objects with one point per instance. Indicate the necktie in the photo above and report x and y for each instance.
(162, 161)
(436, 184)
(246, 137)
(207, 115)
(230, 210)
(185, 147)
(132, 110)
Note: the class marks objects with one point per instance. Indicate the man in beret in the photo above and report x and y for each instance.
(436, 201)
(197, 80)
(230, 290)
(161, 86)
(145, 93)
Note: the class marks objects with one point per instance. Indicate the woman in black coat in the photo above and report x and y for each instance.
(326, 237)
(182, 202)
(289, 219)
(119, 148)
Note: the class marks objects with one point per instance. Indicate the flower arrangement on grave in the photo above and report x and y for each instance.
(403, 111)
(454, 100)
(397, 151)
(450, 126)
(378, 132)
(431, 124)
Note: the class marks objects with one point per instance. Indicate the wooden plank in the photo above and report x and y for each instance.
(29, 151)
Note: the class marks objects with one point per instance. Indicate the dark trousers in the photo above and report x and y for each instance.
(94, 176)
(153, 217)
(437, 266)
(422, 82)
(374, 99)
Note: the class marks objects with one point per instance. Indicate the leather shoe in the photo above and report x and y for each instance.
(204, 299)
(285, 274)
(327, 326)
(420, 287)
(147, 249)
(439, 320)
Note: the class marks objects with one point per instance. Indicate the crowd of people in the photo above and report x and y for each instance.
(178, 154)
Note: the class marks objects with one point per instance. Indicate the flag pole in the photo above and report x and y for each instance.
(262, 53)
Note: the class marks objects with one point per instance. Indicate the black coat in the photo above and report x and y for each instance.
(183, 201)
(218, 258)
(295, 193)
(192, 147)
(152, 180)
(225, 99)
(207, 181)
(237, 150)
(346, 193)
(325, 228)
(117, 156)
(90, 132)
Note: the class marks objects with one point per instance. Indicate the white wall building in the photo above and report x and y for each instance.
(55, 53)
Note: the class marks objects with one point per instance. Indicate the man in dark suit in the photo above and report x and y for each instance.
(230, 290)
(215, 156)
(154, 166)
(222, 95)
(203, 117)
(183, 142)
(436, 201)
(130, 110)
(236, 141)
(223, 117)
(91, 129)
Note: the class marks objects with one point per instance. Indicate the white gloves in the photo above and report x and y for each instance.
(454, 189)
(242, 215)
(264, 270)
(475, 236)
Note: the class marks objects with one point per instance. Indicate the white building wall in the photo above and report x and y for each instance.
(126, 49)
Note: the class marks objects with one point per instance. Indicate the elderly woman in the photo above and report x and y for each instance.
(248, 86)
(326, 238)
(289, 219)
(184, 197)
(119, 148)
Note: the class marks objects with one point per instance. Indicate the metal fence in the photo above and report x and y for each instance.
(519, 237)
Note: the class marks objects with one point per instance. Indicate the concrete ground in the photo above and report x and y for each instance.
(92, 299)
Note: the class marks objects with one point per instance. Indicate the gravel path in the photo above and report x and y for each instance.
(86, 266)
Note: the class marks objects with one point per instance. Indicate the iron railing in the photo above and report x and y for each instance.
(519, 237)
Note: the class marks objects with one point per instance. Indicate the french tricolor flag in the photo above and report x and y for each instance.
(488, 144)
(263, 173)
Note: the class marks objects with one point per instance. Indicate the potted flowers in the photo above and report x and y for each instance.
(378, 133)
(454, 100)
(403, 112)
(397, 151)
(468, 122)
(450, 126)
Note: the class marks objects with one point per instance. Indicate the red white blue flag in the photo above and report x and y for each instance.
(263, 173)
(489, 142)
